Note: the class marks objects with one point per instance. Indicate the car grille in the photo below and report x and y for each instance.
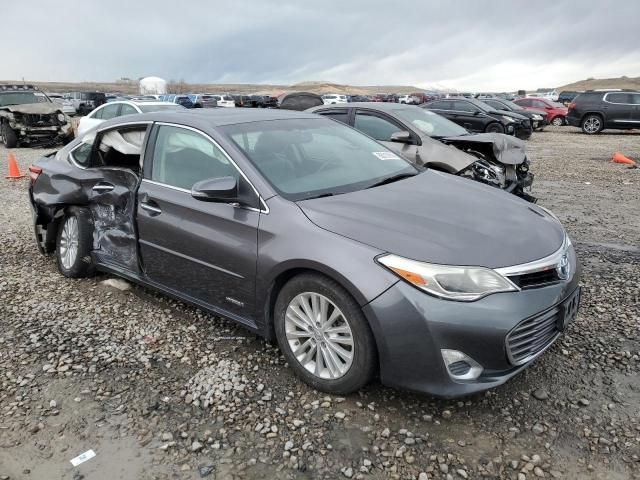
(532, 336)
(40, 119)
(535, 279)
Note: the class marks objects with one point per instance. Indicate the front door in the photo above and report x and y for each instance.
(205, 251)
(381, 127)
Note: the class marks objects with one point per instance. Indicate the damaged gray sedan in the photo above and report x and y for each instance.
(29, 118)
(305, 230)
(418, 135)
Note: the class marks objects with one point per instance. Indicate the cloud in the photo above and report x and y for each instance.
(498, 45)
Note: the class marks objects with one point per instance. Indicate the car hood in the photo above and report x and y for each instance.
(439, 218)
(44, 107)
(506, 148)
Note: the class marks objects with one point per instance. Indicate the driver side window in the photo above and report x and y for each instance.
(375, 126)
(182, 157)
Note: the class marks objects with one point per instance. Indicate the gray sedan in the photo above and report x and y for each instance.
(303, 229)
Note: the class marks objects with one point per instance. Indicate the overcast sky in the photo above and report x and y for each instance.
(467, 45)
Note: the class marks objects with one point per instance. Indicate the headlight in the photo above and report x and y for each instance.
(447, 281)
(61, 117)
(537, 117)
(509, 119)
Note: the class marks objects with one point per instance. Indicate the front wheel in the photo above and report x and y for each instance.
(494, 128)
(324, 335)
(592, 124)
(74, 244)
(9, 137)
(557, 121)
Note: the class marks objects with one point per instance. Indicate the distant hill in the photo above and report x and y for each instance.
(594, 83)
(131, 87)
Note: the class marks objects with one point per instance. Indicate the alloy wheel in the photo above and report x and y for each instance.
(69, 242)
(592, 125)
(319, 335)
(557, 122)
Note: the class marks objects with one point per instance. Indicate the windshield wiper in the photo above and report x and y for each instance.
(322, 195)
(392, 178)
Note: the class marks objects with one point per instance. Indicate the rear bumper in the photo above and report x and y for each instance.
(411, 328)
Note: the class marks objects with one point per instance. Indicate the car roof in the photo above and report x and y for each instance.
(138, 102)
(213, 117)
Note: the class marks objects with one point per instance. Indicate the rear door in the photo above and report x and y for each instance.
(115, 169)
(205, 251)
(635, 113)
(618, 108)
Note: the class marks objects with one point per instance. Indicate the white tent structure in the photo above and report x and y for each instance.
(153, 86)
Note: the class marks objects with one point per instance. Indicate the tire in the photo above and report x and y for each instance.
(9, 136)
(557, 121)
(77, 241)
(342, 377)
(494, 127)
(592, 124)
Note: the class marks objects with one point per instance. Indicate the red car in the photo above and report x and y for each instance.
(556, 113)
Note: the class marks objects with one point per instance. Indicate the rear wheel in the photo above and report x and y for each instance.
(592, 124)
(557, 121)
(9, 137)
(323, 334)
(74, 244)
(494, 128)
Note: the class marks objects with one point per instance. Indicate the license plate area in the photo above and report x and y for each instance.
(569, 309)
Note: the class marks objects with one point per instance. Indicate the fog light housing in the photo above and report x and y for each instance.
(510, 128)
(460, 366)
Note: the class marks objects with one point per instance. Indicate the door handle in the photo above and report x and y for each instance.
(152, 209)
(102, 187)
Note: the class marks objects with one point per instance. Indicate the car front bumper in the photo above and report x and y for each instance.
(411, 328)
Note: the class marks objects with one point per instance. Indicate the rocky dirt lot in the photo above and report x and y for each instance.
(161, 390)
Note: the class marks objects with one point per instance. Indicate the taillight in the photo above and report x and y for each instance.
(34, 172)
(572, 105)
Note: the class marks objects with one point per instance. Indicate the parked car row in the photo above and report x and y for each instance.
(360, 262)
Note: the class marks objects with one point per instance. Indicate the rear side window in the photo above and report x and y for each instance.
(108, 112)
(376, 127)
(619, 98)
(340, 115)
(127, 110)
(463, 106)
(183, 157)
(82, 154)
(439, 105)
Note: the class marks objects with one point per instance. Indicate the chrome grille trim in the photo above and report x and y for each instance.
(550, 261)
(532, 336)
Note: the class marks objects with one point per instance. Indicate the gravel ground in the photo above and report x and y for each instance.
(160, 390)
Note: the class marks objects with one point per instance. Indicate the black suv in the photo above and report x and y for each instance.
(85, 102)
(595, 110)
(477, 116)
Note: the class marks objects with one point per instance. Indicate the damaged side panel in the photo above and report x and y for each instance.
(110, 195)
(114, 232)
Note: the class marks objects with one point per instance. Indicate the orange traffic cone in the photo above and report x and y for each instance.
(619, 158)
(14, 171)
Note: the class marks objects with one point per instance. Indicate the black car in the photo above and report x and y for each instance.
(359, 98)
(477, 116)
(264, 101)
(595, 110)
(244, 101)
(299, 101)
(537, 119)
(566, 97)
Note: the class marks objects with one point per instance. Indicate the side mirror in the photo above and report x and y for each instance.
(548, 107)
(477, 112)
(216, 189)
(401, 137)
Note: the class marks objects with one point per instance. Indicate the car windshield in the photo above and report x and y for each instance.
(159, 108)
(20, 98)
(306, 158)
(430, 122)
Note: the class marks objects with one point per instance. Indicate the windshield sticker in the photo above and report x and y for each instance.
(386, 155)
